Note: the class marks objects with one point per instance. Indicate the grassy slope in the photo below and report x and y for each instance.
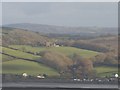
(6, 58)
(0, 57)
(19, 54)
(66, 50)
(32, 68)
(20, 66)
(106, 70)
(102, 71)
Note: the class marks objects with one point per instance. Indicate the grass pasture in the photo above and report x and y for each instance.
(0, 57)
(106, 70)
(66, 50)
(31, 68)
(19, 54)
(6, 58)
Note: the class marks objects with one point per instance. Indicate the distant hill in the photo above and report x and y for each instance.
(64, 30)
(22, 37)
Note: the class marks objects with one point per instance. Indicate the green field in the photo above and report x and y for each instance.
(19, 66)
(31, 68)
(106, 70)
(65, 50)
(19, 54)
(6, 58)
(0, 58)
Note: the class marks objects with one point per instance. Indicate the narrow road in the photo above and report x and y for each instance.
(59, 85)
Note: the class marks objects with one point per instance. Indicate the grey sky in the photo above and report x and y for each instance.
(65, 14)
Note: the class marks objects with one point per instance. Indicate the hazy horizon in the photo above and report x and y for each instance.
(87, 14)
(5, 25)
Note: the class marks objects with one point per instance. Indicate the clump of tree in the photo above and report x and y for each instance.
(81, 67)
(109, 59)
(98, 59)
(74, 67)
(90, 46)
(56, 60)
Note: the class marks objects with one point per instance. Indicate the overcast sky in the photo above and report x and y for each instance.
(62, 14)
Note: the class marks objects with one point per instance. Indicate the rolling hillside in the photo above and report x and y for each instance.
(21, 51)
(18, 66)
(13, 65)
(22, 37)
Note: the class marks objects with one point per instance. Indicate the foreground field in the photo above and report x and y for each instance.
(106, 71)
(13, 66)
(66, 50)
(32, 68)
